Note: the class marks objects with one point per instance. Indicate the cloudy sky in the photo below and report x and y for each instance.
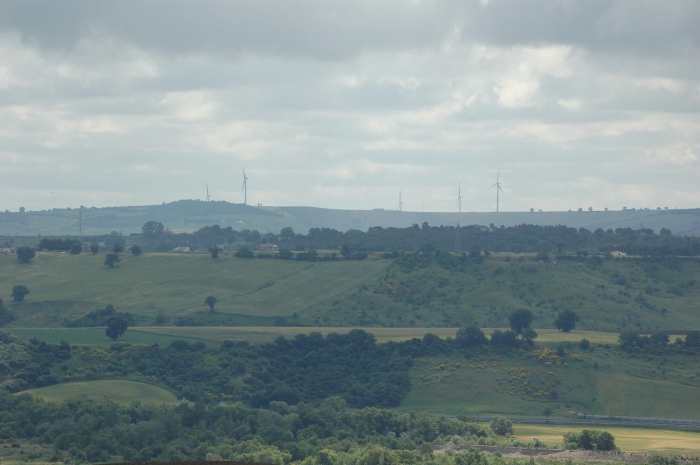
(342, 104)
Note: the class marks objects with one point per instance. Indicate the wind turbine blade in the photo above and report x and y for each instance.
(499, 187)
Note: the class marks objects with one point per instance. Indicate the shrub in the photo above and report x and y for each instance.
(589, 439)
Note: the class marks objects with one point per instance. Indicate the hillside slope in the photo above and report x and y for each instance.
(445, 291)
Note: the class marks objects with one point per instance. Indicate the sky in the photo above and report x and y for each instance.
(344, 104)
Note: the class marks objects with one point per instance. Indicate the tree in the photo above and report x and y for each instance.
(19, 293)
(528, 336)
(244, 252)
(152, 228)
(520, 319)
(471, 336)
(25, 254)
(566, 321)
(502, 426)
(547, 412)
(287, 233)
(116, 327)
(94, 248)
(285, 254)
(584, 344)
(118, 248)
(136, 250)
(210, 301)
(112, 259)
(693, 339)
(214, 251)
(76, 248)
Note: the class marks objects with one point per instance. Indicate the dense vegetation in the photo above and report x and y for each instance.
(100, 431)
(425, 238)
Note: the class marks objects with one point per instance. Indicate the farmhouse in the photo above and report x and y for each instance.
(268, 248)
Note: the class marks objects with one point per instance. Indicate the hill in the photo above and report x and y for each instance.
(433, 290)
(191, 215)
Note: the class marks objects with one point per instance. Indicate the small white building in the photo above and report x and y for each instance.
(268, 248)
(617, 253)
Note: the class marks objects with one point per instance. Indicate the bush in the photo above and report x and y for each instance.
(584, 344)
(589, 439)
(244, 252)
(25, 254)
(502, 426)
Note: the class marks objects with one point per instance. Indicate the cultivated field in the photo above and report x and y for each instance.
(627, 439)
(120, 391)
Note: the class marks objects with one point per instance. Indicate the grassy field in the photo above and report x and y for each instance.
(627, 439)
(64, 286)
(605, 381)
(214, 335)
(120, 391)
(379, 293)
(97, 337)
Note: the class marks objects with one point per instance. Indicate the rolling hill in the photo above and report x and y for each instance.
(409, 292)
(191, 215)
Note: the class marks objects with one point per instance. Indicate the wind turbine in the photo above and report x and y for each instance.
(244, 189)
(498, 189)
(459, 198)
(400, 202)
(208, 196)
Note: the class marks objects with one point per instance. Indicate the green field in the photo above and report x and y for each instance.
(374, 292)
(627, 439)
(97, 337)
(604, 381)
(64, 286)
(120, 391)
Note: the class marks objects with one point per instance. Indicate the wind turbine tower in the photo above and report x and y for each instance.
(498, 189)
(208, 196)
(459, 198)
(400, 202)
(244, 189)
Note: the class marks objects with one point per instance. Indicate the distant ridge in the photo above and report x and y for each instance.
(190, 215)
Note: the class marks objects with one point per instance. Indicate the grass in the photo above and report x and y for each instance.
(64, 286)
(120, 391)
(97, 337)
(627, 439)
(374, 292)
(606, 381)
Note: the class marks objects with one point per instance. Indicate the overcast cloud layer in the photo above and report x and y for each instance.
(342, 104)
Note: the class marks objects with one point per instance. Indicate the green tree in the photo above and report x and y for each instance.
(471, 336)
(25, 254)
(529, 335)
(502, 426)
(566, 321)
(76, 248)
(19, 292)
(520, 319)
(136, 250)
(244, 252)
(214, 251)
(112, 259)
(152, 229)
(584, 344)
(693, 339)
(211, 301)
(547, 412)
(117, 248)
(116, 327)
(94, 248)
